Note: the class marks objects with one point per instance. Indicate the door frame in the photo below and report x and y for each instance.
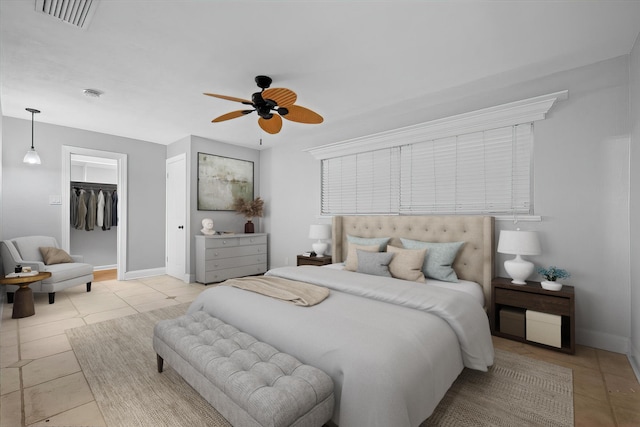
(186, 276)
(121, 160)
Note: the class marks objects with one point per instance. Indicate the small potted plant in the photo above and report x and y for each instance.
(250, 209)
(551, 275)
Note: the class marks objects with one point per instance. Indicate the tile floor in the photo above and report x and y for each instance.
(43, 385)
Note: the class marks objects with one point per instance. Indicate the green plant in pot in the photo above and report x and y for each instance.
(551, 275)
(250, 209)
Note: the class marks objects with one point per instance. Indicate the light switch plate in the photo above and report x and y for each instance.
(55, 200)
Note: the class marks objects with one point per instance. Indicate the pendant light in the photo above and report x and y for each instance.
(32, 157)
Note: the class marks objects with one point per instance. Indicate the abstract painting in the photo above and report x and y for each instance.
(221, 180)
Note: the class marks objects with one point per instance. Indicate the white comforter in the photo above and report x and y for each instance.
(392, 347)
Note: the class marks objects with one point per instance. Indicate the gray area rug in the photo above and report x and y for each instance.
(119, 363)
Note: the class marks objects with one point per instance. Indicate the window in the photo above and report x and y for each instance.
(472, 163)
(362, 183)
(479, 173)
(484, 172)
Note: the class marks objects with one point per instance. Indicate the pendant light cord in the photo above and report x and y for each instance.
(33, 111)
(32, 115)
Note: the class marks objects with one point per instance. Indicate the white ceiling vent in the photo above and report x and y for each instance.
(75, 12)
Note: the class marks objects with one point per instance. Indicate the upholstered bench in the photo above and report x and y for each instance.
(249, 382)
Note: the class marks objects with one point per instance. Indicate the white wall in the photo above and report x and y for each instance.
(634, 210)
(26, 190)
(581, 188)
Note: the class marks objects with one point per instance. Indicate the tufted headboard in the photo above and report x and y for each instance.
(474, 262)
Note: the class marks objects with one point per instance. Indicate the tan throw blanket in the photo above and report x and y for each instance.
(298, 293)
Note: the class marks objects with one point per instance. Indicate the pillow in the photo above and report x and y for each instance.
(439, 258)
(52, 255)
(351, 263)
(407, 263)
(375, 263)
(370, 241)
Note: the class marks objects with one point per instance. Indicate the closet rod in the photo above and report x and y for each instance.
(93, 185)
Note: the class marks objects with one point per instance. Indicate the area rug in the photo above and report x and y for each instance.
(119, 363)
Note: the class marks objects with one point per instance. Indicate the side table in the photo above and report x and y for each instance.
(23, 298)
(532, 296)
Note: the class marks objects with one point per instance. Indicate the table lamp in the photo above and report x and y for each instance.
(518, 243)
(320, 232)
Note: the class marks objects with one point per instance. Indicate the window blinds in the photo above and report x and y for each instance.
(362, 183)
(487, 172)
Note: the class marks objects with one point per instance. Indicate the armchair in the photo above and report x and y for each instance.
(26, 252)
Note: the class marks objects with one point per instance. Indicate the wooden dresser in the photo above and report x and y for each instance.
(219, 258)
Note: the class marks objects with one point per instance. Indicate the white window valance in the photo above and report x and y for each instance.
(513, 113)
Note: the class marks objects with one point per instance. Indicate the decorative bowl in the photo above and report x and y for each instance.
(551, 286)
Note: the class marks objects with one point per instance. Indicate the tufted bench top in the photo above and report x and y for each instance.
(272, 387)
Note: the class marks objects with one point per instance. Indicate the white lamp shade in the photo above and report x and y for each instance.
(31, 157)
(519, 242)
(320, 232)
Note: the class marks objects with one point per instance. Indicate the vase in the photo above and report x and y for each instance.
(551, 286)
(248, 227)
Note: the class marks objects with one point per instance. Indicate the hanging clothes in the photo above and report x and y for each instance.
(90, 222)
(108, 201)
(114, 208)
(73, 205)
(100, 210)
(82, 210)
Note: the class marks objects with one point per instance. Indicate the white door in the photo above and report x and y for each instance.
(177, 217)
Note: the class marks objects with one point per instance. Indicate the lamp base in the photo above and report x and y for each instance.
(319, 248)
(518, 269)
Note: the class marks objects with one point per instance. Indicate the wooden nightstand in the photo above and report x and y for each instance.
(532, 296)
(314, 260)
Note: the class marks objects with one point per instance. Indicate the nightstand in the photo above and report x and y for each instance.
(516, 299)
(314, 260)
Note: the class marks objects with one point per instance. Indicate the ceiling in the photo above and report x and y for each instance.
(361, 65)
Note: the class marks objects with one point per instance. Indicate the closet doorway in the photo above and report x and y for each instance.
(103, 174)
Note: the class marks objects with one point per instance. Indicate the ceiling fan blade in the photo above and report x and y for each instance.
(283, 97)
(272, 125)
(302, 115)
(231, 115)
(229, 98)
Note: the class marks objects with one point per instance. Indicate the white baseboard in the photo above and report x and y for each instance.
(138, 274)
(603, 341)
(105, 267)
(634, 359)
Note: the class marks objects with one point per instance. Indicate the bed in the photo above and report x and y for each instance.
(392, 347)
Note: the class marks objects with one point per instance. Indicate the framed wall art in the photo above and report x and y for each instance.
(221, 180)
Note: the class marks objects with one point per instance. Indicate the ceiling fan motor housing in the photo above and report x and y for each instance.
(263, 82)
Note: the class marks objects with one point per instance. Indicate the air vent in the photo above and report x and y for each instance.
(75, 12)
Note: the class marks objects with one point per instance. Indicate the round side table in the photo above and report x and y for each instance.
(23, 298)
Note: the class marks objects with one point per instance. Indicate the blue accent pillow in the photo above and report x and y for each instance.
(369, 241)
(439, 258)
(375, 263)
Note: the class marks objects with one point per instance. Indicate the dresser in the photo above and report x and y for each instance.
(219, 258)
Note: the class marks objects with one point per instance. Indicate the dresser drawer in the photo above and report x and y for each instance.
(231, 252)
(229, 273)
(253, 240)
(216, 264)
(221, 242)
(545, 303)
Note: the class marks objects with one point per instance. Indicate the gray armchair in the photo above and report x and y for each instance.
(26, 252)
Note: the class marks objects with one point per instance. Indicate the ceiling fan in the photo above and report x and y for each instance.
(271, 104)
